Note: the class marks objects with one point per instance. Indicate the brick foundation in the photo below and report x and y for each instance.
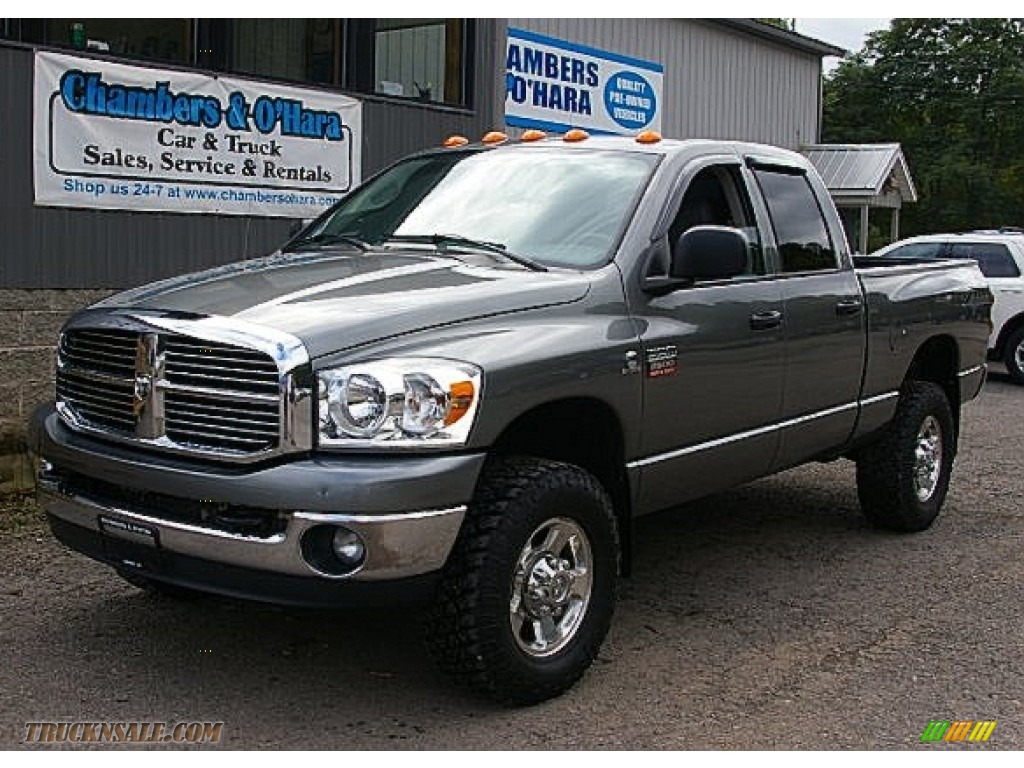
(29, 324)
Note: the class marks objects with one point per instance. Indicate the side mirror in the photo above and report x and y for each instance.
(710, 253)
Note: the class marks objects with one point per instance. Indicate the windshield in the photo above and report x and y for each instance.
(559, 207)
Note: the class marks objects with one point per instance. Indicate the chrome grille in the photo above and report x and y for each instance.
(104, 404)
(107, 351)
(171, 390)
(196, 363)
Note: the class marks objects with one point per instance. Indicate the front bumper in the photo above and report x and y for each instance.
(406, 509)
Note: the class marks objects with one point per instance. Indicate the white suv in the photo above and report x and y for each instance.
(1000, 255)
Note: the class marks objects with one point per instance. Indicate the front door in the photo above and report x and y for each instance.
(713, 361)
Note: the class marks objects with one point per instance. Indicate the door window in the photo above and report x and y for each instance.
(800, 230)
(993, 259)
(916, 251)
(717, 195)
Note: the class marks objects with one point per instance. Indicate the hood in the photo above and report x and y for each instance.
(336, 300)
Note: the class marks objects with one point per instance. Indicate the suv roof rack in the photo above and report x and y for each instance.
(997, 231)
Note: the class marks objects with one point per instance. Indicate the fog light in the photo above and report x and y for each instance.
(331, 550)
(348, 547)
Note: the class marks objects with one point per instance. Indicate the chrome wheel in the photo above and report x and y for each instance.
(1018, 355)
(927, 458)
(551, 587)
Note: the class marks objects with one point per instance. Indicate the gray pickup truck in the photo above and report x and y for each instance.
(462, 383)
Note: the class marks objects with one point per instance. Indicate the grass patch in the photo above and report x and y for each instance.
(19, 512)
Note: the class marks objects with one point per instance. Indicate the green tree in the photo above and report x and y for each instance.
(951, 91)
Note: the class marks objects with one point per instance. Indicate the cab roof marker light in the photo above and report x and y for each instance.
(575, 134)
(494, 137)
(532, 135)
(648, 137)
(455, 141)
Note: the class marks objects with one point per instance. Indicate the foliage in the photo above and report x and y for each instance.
(951, 91)
(780, 23)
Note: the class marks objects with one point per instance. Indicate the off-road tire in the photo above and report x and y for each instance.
(1014, 343)
(468, 628)
(885, 469)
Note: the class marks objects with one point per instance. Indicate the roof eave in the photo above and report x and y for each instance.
(783, 36)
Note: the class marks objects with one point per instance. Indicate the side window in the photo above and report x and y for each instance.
(717, 195)
(993, 259)
(916, 251)
(804, 243)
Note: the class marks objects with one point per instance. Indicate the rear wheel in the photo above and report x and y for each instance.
(902, 478)
(1014, 357)
(527, 595)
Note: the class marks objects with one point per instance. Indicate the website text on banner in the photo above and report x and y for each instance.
(555, 85)
(110, 135)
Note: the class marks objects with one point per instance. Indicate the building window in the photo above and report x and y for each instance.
(419, 58)
(155, 39)
(303, 50)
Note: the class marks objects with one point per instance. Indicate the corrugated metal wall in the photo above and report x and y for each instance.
(719, 82)
(71, 248)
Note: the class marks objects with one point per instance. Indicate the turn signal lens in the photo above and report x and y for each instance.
(532, 135)
(575, 134)
(455, 141)
(461, 398)
(648, 137)
(494, 137)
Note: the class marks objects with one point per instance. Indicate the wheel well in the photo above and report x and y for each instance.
(938, 361)
(581, 431)
(1008, 328)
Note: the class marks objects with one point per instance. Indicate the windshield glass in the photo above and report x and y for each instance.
(563, 208)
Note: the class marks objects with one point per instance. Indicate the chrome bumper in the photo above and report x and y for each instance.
(397, 545)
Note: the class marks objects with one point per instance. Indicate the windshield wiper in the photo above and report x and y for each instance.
(328, 238)
(440, 241)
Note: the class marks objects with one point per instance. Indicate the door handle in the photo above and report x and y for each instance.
(763, 321)
(848, 307)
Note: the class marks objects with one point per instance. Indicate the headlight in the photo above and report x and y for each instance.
(401, 403)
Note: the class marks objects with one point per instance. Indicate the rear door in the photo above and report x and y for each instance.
(823, 305)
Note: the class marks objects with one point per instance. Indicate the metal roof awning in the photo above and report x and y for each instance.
(864, 176)
(876, 174)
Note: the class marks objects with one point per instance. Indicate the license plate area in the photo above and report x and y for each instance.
(144, 535)
(127, 544)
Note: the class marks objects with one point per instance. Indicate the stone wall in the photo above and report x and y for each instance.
(29, 324)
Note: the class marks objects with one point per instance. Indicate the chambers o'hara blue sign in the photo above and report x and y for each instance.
(556, 85)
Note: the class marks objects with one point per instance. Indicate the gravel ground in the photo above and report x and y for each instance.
(767, 617)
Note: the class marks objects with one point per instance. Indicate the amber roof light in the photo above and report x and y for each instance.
(532, 135)
(455, 141)
(575, 134)
(494, 137)
(648, 137)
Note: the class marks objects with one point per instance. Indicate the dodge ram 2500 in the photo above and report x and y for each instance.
(463, 382)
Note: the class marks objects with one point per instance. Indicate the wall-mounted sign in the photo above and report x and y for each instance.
(112, 135)
(555, 85)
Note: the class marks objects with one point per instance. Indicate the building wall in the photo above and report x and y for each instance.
(63, 248)
(719, 82)
(54, 261)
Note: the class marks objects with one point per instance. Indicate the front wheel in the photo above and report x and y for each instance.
(527, 595)
(903, 477)
(1014, 357)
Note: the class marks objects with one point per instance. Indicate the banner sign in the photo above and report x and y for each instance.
(110, 135)
(555, 85)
